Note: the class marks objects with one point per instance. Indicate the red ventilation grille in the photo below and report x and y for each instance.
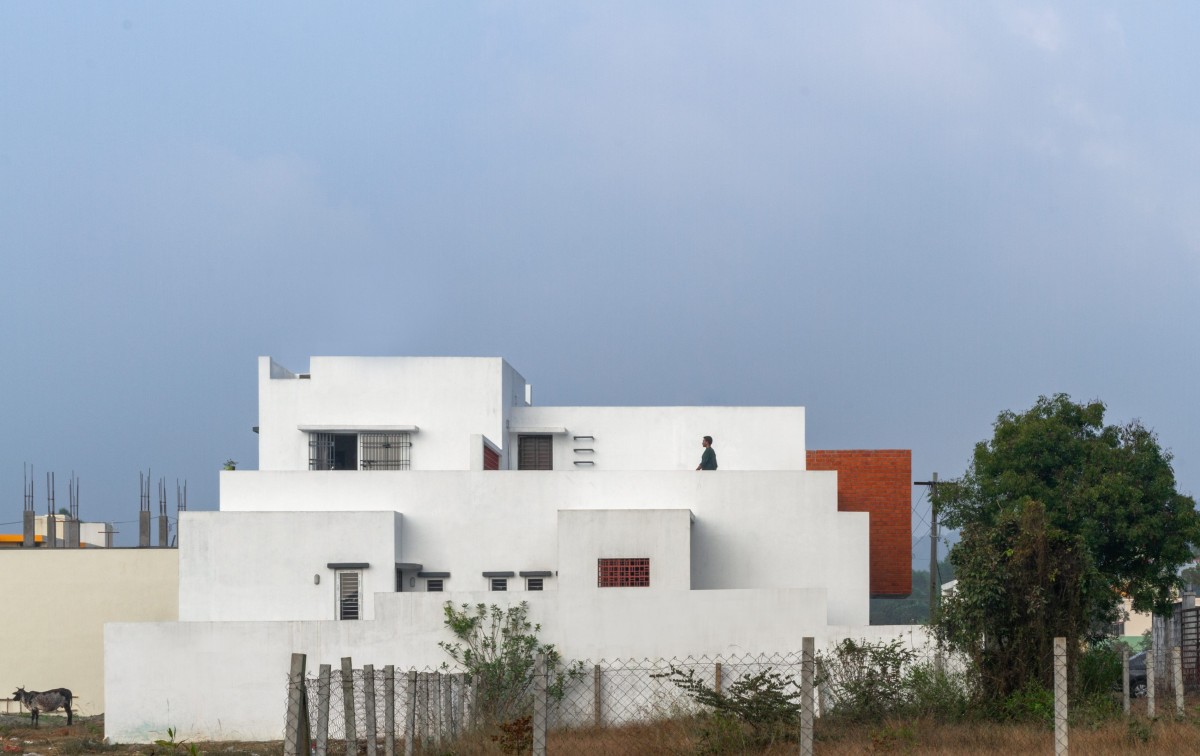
(623, 573)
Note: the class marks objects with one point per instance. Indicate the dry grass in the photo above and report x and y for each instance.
(1136, 735)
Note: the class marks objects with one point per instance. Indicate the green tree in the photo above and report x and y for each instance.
(1060, 515)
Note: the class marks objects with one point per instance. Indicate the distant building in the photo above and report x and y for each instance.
(388, 486)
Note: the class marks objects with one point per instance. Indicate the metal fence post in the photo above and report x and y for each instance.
(297, 714)
(389, 713)
(1177, 674)
(372, 731)
(323, 710)
(807, 668)
(410, 713)
(1060, 696)
(539, 707)
(348, 704)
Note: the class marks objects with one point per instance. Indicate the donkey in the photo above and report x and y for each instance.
(46, 700)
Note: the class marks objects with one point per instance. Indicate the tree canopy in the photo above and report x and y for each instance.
(1060, 517)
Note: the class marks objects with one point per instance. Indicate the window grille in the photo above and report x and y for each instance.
(433, 585)
(348, 595)
(320, 451)
(533, 584)
(385, 451)
(623, 573)
(499, 584)
(535, 452)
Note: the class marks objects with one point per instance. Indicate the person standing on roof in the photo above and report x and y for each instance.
(708, 460)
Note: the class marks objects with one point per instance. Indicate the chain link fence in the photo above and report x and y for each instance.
(736, 703)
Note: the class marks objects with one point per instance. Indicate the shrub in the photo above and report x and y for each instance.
(758, 709)
(867, 680)
(498, 649)
(937, 693)
(1032, 703)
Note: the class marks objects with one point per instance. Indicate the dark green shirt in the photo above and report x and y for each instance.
(708, 460)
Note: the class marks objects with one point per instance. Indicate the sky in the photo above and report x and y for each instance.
(906, 217)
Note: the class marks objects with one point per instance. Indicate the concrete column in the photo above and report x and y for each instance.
(144, 530)
(28, 541)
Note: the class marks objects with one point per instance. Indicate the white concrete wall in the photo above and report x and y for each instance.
(217, 667)
(56, 601)
(751, 530)
(668, 438)
(261, 566)
(661, 535)
(448, 398)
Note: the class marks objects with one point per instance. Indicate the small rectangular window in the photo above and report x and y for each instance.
(348, 595)
(623, 573)
(433, 585)
(498, 584)
(535, 452)
(533, 584)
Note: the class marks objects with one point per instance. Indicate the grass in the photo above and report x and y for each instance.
(1120, 735)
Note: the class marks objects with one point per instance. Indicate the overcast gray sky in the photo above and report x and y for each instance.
(906, 217)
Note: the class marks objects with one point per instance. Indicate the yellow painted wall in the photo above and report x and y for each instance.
(55, 602)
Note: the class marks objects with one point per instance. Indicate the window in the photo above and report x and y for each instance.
(332, 451)
(385, 451)
(623, 573)
(348, 593)
(533, 584)
(433, 585)
(498, 584)
(341, 451)
(535, 452)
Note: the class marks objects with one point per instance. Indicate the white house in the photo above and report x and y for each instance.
(388, 486)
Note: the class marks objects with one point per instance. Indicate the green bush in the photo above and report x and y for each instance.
(1032, 703)
(1099, 669)
(757, 710)
(941, 695)
(867, 679)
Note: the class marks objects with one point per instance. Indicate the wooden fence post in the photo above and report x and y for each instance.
(389, 714)
(539, 707)
(461, 703)
(717, 675)
(410, 713)
(822, 686)
(1125, 679)
(369, 724)
(297, 717)
(1060, 697)
(807, 664)
(323, 710)
(1151, 658)
(348, 704)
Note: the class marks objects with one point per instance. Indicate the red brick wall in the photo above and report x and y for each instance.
(878, 481)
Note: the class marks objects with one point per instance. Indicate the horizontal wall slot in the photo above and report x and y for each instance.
(585, 451)
(585, 462)
(584, 438)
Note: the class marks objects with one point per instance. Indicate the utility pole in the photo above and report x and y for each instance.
(935, 589)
